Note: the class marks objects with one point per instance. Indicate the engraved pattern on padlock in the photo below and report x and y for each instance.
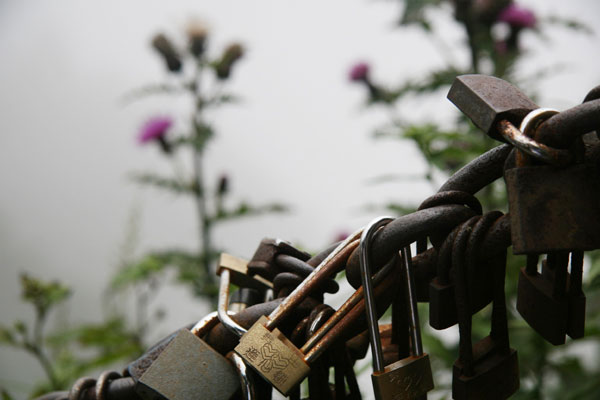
(489, 369)
(266, 349)
(188, 366)
(410, 377)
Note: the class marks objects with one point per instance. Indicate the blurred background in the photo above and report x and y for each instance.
(75, 78)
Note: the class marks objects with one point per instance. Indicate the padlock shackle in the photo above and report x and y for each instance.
(411, 300)
(343, 310)
(372, 325)
(223, 304)
(328, 266)
(246, 378)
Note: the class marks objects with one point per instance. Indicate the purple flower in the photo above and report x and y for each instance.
(359, 72)
(518, 17)
(154, 129)
(340, 236)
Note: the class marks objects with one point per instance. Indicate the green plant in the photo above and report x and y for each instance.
(202, 79)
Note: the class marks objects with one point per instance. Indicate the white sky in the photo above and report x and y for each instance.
(300, 136)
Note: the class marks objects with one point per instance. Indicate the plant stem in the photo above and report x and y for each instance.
(35, 347)
(203, 218)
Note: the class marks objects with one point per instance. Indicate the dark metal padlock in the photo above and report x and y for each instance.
(490, 368)
(442, 307)
(410, 377)
(551, 208)
(188, 368)
(486, 100)
(544, 301)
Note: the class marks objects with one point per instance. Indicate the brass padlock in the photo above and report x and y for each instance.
(410, 377)
(552, 208)
(490, 368)
(266, 349)
(238, 270)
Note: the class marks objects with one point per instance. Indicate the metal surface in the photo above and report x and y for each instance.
(367, 284)
(553, 209)
(486, 100)
(238, 270)
(189, 368)
(223, 303)
(562, 129)
(273, 356)
(538, 150)
(325, 269)
(246, 379)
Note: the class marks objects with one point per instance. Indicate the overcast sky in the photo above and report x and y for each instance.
(300, 135)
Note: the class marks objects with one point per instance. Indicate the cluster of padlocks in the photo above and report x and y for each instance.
(275, 330)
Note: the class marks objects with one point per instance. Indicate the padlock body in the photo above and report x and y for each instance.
(553, 209)
(496, 374)
(546, 314)
(273, 356)
(188, 368)
(442, 304)
(405, 379)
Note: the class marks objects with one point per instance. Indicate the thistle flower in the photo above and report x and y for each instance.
(155, 129)
(517, 16)
(359, 72)
(165, 48)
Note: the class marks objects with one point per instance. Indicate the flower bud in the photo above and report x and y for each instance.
(231, 55)
(165, 48)
(155, 130)
(197, 35)
(223, 185)
(359, 72)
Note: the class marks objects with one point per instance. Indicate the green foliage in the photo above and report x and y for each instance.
(43, 295)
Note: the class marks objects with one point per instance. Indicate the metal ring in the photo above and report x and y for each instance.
(521, 140)
(103, 383)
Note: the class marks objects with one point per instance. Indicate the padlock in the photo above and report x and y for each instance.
(552, 208)
(238, 270)
(490, 368)
(576, 321)
(188, 368)
(487, 100)
(543, 300)
(266, 349)
(263, 260)
(410, 377)
(442, 307)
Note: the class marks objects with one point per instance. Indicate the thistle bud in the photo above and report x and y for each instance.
(197, 35)
(232, 53)
(165, 48)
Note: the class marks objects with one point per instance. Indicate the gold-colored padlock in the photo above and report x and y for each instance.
(410, 377)
(267, 350)
(238, 269)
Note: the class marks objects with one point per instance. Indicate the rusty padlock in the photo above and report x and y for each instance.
(186, 367)
(489, 369)
(442, 308)
(409, 377)
(552, 208)
(544, 301)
